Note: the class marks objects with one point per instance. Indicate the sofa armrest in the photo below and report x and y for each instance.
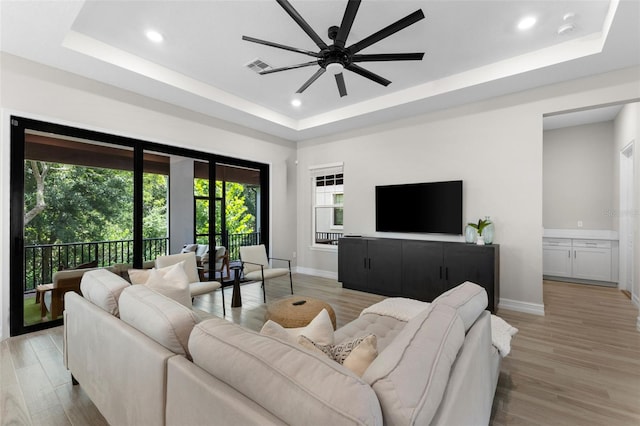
(474, 376)
(127, 386)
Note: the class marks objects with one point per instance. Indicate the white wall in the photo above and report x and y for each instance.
(494, 146)
(627, 129)
(578, 175)
(40, 92)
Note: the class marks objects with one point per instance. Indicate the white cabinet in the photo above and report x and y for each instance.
(579, 258)
(556, 257)
(592, 260)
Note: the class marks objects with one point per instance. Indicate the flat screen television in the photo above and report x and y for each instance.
(431, 207)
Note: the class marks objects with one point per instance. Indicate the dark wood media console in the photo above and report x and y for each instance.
(417, 269)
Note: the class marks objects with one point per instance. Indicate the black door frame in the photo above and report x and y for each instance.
(16, 218)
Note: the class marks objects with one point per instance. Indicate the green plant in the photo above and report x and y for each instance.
(482, 223)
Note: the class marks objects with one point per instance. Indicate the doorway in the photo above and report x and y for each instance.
(627, 220)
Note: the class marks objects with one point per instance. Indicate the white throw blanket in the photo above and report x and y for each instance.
(404, 309)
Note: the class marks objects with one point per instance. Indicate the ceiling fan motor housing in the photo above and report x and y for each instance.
(334, 54)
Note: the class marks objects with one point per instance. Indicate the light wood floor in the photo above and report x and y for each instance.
(578, 365)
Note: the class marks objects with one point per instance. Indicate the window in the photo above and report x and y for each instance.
(328, 202)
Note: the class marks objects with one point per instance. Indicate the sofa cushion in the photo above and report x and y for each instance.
(385, 329)
(267, 370)
(103, 289)
(319, 330)
(411, 374)
(468, 299)
(159, 317)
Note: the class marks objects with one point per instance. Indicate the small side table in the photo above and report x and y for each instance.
(41, 290)
(236, 299)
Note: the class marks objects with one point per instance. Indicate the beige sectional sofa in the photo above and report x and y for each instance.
(160, 363)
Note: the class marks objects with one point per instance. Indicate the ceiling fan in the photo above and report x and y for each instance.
(337, 57)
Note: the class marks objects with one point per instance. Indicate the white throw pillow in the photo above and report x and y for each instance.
(319, 330)
(172, 282)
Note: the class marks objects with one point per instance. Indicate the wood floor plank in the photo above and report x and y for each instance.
(78, 407)
(13, 408)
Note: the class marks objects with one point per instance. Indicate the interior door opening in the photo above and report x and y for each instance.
(627, 221)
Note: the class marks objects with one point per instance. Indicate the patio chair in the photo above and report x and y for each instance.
(51, 296)
(196, 286)
(255, 266)
(220, 263)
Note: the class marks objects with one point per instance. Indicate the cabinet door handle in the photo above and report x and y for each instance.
(369, 263)
(575, 253)
(441, 272)
(365, 263)
(569, 253)
(446, 273)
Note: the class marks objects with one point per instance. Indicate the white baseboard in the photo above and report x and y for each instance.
(635, 300)
(518, 306)
(316, 272)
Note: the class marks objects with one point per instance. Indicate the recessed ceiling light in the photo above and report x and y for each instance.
(154, 36)
(296, 102)
(527, 23)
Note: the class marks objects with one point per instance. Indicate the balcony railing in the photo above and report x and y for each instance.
(330, 238)
(44, 260)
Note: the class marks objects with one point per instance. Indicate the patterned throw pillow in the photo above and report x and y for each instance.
(337, 352)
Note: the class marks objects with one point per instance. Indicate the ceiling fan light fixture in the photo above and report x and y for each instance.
(527, 23)
(335, 68)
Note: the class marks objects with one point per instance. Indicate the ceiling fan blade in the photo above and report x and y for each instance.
(387, 31)
(347, 21)
(280, 46)
(302, 23)
(388, 57)
(368, 74)
(290, 67)
(313, 78)
(341, 87)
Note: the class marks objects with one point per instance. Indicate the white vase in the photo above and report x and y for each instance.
(480, 240)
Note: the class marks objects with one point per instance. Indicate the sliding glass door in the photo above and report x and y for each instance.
(82, 199)
(78, 214)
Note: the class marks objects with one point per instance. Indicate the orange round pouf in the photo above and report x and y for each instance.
(288, 315)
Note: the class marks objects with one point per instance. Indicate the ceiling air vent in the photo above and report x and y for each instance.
(258, 65)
